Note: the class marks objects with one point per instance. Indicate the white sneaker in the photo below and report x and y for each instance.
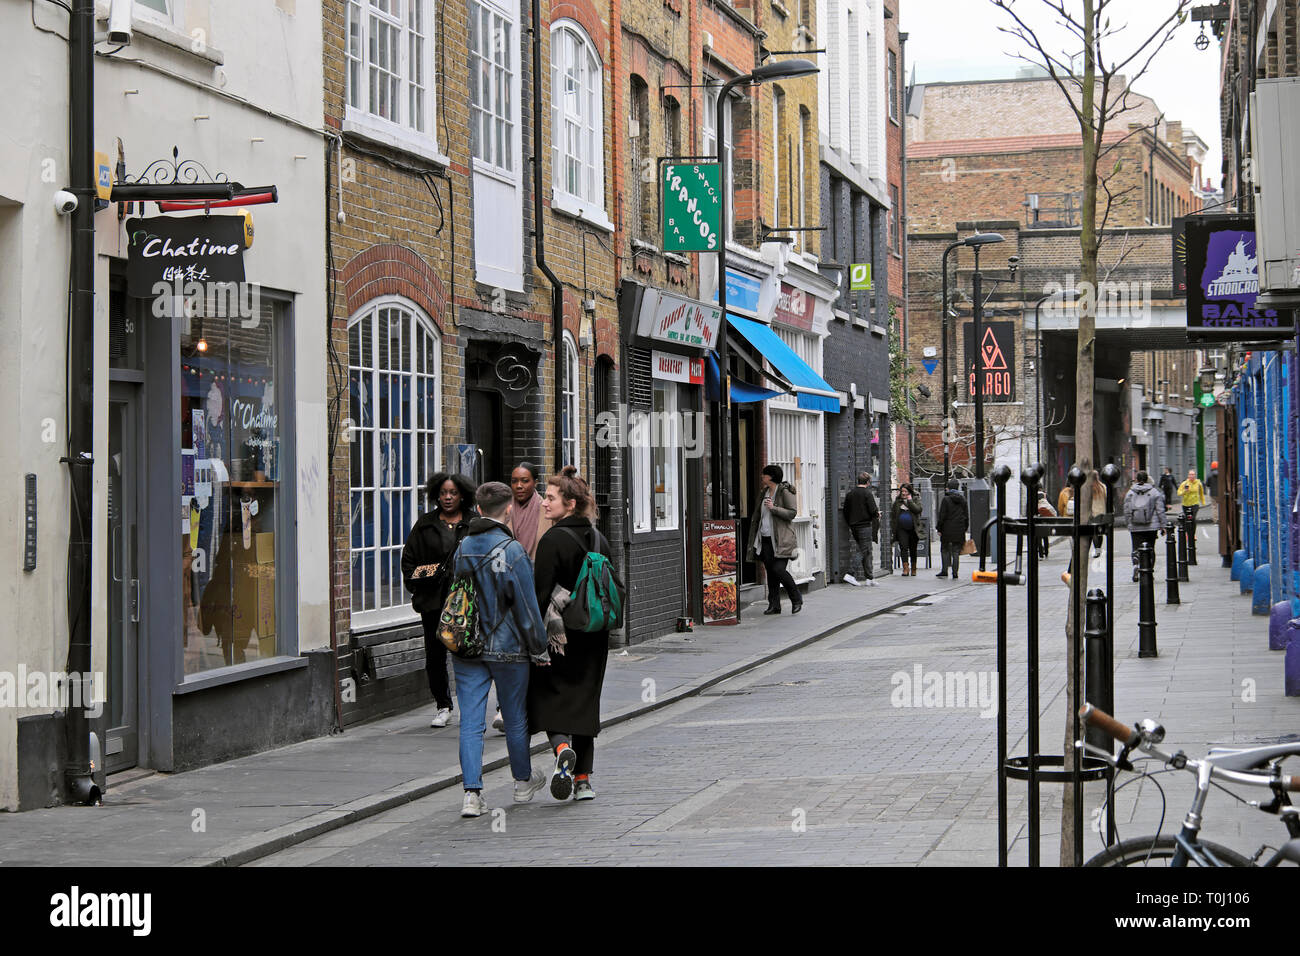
(499, 723)
(441, 717)
(850, 579)
(473, 805)
(524, 789)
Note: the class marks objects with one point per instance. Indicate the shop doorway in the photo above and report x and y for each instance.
(125, 605)
(491, 425)
(747, 469)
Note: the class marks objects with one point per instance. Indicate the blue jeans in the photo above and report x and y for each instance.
(473, 678)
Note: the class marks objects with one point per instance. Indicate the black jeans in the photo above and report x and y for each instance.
(584, 748)
(951, 553)
(907, 542)
(778, 577)
(435, 661)
(1138, 537)
(861, 536)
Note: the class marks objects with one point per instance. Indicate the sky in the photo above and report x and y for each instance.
(960, 40)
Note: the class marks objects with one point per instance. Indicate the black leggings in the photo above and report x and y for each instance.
(778, 577)
(907, 542)
(435, 661)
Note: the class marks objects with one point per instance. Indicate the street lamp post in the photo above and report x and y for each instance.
(722, 428)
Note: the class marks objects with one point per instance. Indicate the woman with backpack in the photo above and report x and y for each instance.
(426, 572)
(564, 696)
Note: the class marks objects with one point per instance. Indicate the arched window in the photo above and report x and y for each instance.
(577, 122)
(571, 425)
(394, 412)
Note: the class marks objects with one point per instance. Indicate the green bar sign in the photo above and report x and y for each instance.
(691, 208)
(860, 277)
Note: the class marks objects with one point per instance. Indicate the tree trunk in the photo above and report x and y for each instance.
(1084, 384)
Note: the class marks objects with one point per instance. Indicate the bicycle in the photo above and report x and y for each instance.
(1253, 766)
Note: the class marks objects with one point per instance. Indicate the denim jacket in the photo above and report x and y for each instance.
(508, 617)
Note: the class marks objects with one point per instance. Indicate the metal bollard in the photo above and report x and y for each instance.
(1191, 544)
(1182, 549)
(1171, 572)
(1098, 680)
(1146, 600)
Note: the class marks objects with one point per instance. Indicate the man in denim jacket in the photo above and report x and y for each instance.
(513, 634)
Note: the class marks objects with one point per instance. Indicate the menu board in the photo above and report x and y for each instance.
(721, 571)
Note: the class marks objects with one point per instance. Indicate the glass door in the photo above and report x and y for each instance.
(121, 744)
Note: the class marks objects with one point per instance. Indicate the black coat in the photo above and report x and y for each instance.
(953, 518)
(432, 541)
(860, 508)
(914, 508)
(564, 697)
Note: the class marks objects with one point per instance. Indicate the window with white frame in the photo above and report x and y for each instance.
(572, 445)
(492, 120)
(664, 455)
(710, 144)
(390, 90)
(641, 488)
(577, 122)
(394, 396)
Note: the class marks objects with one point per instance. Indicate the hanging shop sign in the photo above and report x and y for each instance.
(721, 571)
(676, 368)
(691, 207)
(177, 250)
(996, 360)
(794, 307)
(860, 277)
(677, 319)
(743, 291)
(1223, 283)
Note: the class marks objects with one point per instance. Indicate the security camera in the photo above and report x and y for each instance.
(119, 22)
(65, 202)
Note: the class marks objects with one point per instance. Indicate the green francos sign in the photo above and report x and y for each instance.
(691, 208)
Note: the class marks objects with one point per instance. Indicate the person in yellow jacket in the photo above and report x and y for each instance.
(1192, 493)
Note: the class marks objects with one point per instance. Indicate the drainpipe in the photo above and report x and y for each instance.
(81, 98)
(557, 292)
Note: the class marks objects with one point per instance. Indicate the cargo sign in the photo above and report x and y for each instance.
(691, 208)
(676, 368)
(1223, 283)
(995, 360)
(675, 318)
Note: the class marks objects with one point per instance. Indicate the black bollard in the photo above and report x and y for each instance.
(1182, 549)
(1146, 600)
(1191, 543)
(1171, 572)
(1097, 678)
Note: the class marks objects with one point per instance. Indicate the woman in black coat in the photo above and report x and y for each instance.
(426, 572)
(564, 696)
(904, 522)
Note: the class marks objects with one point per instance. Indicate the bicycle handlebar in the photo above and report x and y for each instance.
(1099, 718)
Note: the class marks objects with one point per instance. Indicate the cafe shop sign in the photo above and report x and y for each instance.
(176, 249)
(677, 319)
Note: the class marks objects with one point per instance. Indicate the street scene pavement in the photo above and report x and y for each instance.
(782, 741)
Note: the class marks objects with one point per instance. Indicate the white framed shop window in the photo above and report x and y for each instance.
(395, 404)
(665, 456)
(572, 425)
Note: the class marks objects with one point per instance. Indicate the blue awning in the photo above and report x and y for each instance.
(813, 392)
(742, 392)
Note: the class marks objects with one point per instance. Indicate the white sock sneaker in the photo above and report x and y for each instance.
(473, 805)
(850, 579)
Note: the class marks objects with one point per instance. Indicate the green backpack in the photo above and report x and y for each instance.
(598, 596)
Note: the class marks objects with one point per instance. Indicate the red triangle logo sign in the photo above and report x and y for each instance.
(992, 352)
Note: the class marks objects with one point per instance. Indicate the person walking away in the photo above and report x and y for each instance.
(904, 519)
(1144, 510)
(511, 628)
(1212, 482)
(1192, 494)
(862, 515)
(772, 537)
(1045, 510)
(1168, 485)
(1065, 502)
(564, 698)
(952, 521)
(426, 572)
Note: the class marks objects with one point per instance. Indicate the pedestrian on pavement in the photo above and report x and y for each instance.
(505, 598)
(1045, 510)
(952, 521)
(862, 515)
(904, 521)
(1192, 494)
(426, 572)
(1168, 484)
(1144, 509)
(771, 537)
(1065, 502)
(527, 523)
(1212, 482)
(564, 698)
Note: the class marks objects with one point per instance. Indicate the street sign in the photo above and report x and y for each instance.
(691, 208)
(860, 277)
(997, 360)
(930, 365)
(1207, 399)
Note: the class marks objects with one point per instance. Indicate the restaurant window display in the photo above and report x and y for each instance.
(230, 512)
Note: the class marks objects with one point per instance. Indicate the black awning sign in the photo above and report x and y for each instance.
(996, 359)
(179, 250)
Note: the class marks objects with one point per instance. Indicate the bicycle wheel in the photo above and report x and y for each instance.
(1159, 851)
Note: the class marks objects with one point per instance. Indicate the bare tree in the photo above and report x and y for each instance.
(1097, 97)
